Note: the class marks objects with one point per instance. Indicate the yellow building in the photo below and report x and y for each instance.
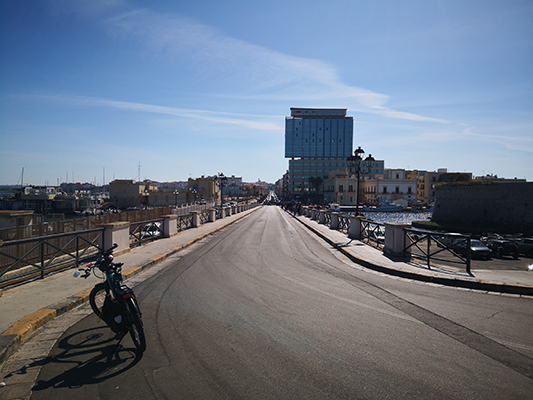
(129, 193)
(203, 189)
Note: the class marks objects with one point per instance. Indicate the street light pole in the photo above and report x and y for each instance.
(355, 165)
(222, 180)
(176, 198)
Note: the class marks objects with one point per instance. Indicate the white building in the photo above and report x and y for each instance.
(393, 186)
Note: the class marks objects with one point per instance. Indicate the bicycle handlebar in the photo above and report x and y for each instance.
(103, 263)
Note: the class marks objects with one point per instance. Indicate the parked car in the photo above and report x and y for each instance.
(448, 240)
(502, 248)
(478, 250)
(152, 231)
(525, 247)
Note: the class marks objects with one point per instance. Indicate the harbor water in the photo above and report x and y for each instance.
(397, 217)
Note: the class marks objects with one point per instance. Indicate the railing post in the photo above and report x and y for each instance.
(355, 226)
(322, 217)
(116, 232)
(42, 259)
(212, 215)
(195, 219)
(170, 226)
(395, 240)
(428, 250)
(77, 251)
(334, 221)
(468, 254)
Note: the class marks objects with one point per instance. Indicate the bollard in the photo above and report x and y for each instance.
(322, 217)
(334, 220)
(355, 226)
(195, 219)
(395, 240)
(170, 227)
(116, 232)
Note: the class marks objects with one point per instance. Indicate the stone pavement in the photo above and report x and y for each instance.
(25, 308)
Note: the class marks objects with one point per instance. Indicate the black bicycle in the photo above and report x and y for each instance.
(114, 302)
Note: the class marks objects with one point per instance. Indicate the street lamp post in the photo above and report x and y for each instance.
(222, 180)
(357, 166)
(146, 194)
(175, 193)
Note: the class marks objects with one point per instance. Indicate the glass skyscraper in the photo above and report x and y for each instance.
(317, 141)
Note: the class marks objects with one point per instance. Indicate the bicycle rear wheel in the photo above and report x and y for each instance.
(136, 326)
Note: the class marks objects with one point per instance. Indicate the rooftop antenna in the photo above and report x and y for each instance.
(139, 173)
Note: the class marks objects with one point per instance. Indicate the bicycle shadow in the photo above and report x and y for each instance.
(85, 357)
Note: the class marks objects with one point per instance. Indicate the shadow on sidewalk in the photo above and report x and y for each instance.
(83, 358)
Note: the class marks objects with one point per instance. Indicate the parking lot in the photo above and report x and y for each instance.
(498, 264)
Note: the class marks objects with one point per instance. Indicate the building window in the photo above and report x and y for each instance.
(384, 189)
(341, 188)
(350, 188)
(397, 189)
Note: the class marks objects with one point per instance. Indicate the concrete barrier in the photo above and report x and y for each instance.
(119, 233)
(170, 227)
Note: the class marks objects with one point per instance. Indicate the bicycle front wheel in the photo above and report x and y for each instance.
(136, 326)
(96, 299)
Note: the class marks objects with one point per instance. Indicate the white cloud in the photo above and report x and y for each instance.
(220, 117)
(255, 72)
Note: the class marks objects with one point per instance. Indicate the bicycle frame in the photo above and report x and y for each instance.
(119, 301)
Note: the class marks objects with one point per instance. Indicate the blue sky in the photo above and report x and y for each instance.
(193, 87)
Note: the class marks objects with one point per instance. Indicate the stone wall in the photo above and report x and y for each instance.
(501, 207)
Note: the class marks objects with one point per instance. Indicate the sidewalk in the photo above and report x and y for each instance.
(25, 308)
(512, 282)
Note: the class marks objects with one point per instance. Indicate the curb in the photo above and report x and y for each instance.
(506, 288)
(12, 338)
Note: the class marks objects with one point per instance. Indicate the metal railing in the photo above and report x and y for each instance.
(373, 233)
(344, 223)
(146, 231)
(49, 253)
(204, 217)
(184, 222)
(428, 246)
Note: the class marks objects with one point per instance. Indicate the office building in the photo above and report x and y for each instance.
(317, 142)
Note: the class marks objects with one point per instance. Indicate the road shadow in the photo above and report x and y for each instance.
(83, 358)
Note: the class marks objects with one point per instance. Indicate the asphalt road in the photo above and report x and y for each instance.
(265, 310)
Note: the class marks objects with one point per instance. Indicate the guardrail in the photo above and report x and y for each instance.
(344, 223)
(398, 240)
(52, 252)
(47, 253)
(146, 231)
(204, 217)
(435, 246)
(373, 233)
(184, 222)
